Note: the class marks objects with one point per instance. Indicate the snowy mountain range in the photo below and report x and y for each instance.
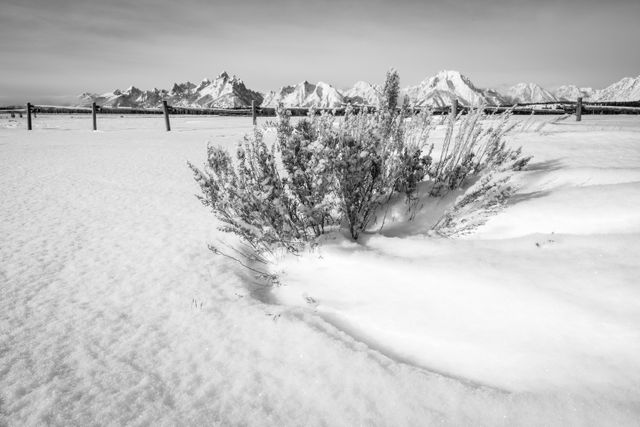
(222, 92)
(572, 92)
(627, 89)
(230, 92)
(305, 94)
(529, 92)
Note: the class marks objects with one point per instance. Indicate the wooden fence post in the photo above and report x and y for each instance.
(454, 108)
(94, 110)
(579, 110)
(29, 115)
(165, 108)
(253, 111)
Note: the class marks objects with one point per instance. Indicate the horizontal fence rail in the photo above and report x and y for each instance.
(520, 108)
(578, 108)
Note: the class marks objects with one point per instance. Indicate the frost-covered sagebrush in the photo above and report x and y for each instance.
(308, 169)
(474, 144)
(250, 197)
(324, 172)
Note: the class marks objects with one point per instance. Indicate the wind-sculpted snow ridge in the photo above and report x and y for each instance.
(529, 93)
(541, 298)
(305, 94)
(222, 92)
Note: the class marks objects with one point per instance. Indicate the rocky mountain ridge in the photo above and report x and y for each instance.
(227, 91)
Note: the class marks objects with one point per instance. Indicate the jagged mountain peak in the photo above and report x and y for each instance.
(626, 89)
(447, 85)
(363, 93)
(451, 76)
(182, 87)
(223, 75)
(572, 92)
(529, 92)
(132, 89)
(305, 94)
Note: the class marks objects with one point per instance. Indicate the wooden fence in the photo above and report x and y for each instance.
(577, 108)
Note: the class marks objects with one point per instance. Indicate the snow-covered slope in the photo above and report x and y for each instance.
(363, 93)
(222, 92)
(627, 89)
(182, 94)
(572, 92)
(441, 89)
(130, 97)
(225, 92)
(529, 92)
(305, 94)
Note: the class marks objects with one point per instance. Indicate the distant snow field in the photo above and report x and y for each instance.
(113, 311)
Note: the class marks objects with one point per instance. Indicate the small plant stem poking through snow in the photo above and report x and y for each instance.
(272, 278)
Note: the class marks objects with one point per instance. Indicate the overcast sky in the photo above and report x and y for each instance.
(50, 48)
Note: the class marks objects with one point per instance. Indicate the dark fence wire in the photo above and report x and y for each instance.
(561, 107)
(533, 108)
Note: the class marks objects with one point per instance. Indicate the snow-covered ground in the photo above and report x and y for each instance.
(112, 310)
